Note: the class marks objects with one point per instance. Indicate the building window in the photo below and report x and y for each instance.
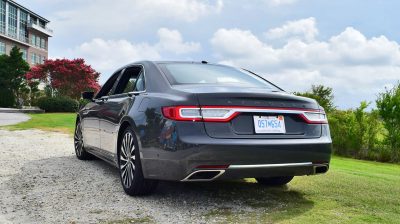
(37, 44)
(23, 26)
(2, 17)
(42, 58)
(12, 21)
(42, 24)
(33, 58)
(33, 20)
(24, 54)
(2, 48)
(33, 40)
(43, 43)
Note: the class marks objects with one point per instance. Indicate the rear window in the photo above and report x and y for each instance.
(180, 73)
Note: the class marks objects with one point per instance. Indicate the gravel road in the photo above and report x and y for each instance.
(41, 181)
(12, 118)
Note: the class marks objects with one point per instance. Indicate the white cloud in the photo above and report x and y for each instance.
(106, 17)
(108, 55)
(171, 41)
(111, 54)
(358, 68)
(280, 2)
(304, 29)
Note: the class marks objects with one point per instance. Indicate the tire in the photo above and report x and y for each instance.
(130, 167)
(274, 181)
(78, 144)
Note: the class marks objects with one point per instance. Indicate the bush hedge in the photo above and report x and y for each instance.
(7, 98)
(58, 104)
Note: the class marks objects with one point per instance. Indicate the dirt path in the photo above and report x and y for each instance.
(41, 181)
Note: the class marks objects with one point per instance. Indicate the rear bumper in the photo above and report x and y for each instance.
(246, 157)
(258, 170)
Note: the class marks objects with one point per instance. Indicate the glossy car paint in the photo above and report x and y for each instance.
(171, 150)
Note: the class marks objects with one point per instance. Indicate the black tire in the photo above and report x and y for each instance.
(130, 167)
(78, 144)
(274, 181)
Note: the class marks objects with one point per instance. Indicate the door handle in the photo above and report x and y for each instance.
(102, 100)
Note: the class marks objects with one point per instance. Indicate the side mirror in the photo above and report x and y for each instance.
(88, 95)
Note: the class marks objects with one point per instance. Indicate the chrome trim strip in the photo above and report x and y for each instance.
(269, 165)
(186, 179)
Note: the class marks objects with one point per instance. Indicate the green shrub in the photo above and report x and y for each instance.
(7, 98)
(355, 133)
(57, 104)
(388, 104)
(361, 134)
(342, 125)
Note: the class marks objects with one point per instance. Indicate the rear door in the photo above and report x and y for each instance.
(130, 83)
(91, 114)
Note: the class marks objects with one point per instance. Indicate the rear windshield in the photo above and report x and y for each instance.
(180, 73)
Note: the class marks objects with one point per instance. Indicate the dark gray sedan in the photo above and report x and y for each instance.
(189, 121)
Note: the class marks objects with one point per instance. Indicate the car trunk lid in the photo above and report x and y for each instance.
(249, 103)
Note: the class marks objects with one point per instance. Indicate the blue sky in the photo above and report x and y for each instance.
(351, 46)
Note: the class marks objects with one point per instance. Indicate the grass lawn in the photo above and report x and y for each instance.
(62, 122)
(353, 191)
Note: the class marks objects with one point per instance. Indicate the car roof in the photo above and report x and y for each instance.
(173, 62)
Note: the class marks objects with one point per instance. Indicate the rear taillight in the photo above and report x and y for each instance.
(315, 117)
(193, 113)
(182, 113)
(227, 113)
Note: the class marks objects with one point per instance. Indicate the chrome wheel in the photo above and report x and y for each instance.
(78, 140)
(127, 159)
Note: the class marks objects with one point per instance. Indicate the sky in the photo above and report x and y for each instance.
(351, 46)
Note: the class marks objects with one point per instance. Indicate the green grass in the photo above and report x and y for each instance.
(61, 122)
(352, 191)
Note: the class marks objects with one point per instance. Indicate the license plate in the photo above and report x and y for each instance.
(269, 124)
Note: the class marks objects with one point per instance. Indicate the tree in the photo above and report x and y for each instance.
(12, 77)
(66, 77)
(388, 104)
(322, 94)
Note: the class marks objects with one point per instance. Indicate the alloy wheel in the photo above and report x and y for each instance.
(78, 140)
(127, 159)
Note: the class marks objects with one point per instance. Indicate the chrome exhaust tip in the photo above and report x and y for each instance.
(204, 175)
(320, 168)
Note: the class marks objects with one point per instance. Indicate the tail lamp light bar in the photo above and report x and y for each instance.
(226, 114)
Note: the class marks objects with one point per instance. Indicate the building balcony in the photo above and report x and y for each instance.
(45, 30)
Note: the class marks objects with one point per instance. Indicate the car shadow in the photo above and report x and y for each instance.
(72, 186)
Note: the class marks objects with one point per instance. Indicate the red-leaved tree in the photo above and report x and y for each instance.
(66, 77)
